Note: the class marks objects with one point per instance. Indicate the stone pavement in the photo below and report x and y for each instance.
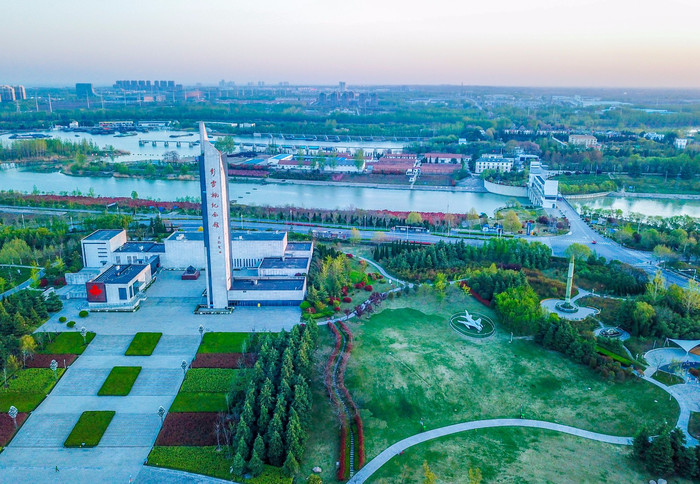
(158, 475)
(372, 466)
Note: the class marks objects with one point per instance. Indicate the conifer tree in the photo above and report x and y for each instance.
(256, 465)
(259, 447)
(291, 465)
(238, 465)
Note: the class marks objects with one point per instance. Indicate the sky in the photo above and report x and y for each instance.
(582, 43)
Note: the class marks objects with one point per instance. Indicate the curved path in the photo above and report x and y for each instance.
(373, 466)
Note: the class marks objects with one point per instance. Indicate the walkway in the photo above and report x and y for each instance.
(23, 285)
(371, 467)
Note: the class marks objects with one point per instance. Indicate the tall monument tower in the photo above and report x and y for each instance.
(213, 180)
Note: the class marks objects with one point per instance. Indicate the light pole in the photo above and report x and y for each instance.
(201, 333)
(83, 333)
(54, 367)
(161, 413)
(13, 414)
(183, 365)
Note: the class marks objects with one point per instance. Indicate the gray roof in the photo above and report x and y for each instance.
(142, 247)
(103, 234)
(240, 235)
(120, 274)
(299, 246)
(267, 285)
(286, 263)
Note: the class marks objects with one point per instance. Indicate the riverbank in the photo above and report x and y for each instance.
(382, 186)
(655, 196)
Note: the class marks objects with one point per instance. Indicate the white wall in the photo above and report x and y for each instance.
(180, 254)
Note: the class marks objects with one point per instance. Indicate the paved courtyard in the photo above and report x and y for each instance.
(168, 309)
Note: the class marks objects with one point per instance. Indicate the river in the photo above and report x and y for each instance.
(277, 195)
(652, 207)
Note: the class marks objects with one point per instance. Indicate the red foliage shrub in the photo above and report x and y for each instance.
(43, 361)
(347, 299)
(344, 290)
(43, 282)
(695, 372)
(191, 428)
(349, 256)
(343, 444)
(225, 360)
(479, 298)
(360, 442)
(368, 288)
(311, 310)
(336, 309)
(7, 426)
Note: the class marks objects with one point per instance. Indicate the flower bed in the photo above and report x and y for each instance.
(43, 361)
(224, 360)
(188, 429)
(7, 427)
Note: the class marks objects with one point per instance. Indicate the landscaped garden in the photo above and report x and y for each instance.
(143, 344)
(205, 389)
(25, 389)
(119, 381)
(408, 365)
(89, 429)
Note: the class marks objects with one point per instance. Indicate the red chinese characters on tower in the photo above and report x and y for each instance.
(215, 225)
(214, 195)
(213, 183)
(213, 172)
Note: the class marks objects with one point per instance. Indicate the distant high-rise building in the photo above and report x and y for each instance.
(20, 93)
(7, 94)
(341, 86)
(84, 89)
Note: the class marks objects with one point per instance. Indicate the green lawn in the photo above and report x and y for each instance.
(90, 428)
(667, 378)
(143, 344)
(214, 380)
(514, 455)
(207, 461)
(27, 388)
(408, 365)
(119, 381)
(694, 424)
(67, 343)
(13, 276)
(199, 402)
(225, 343)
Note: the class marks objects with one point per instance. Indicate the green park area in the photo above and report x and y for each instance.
(207, 460)
(119, 381)
(408, 365)
(67, 343)
(11, 276)
(89, 429)
(143, 344)
(205, 389)
(25, 389)
(216, 342)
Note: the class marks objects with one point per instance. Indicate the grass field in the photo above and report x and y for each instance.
(224, 343)
(694, 425)
(199, 402)
(27, 388)
(514, 455)
(143, 344)
(213, 380)
(206, 460)
(90, 428)
(67, 343)
(14, 276)
(408, 365)
(119, 381)
(667, 378)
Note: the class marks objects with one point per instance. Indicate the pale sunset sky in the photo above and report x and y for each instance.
(601, 43)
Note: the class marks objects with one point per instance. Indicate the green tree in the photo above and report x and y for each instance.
(291, 465)
(429, 476)
(134, 195)
(519, 309)
(577, 251)
(414, 218)
(226, 144)
(355, 236)
(238, 465)
(512, 222)
(640, 443)
(259, 447)
(27, 346)
(256, 465)
(474, 476)
(659, 456)
(359, 159)
(275, 448)
(440, 284)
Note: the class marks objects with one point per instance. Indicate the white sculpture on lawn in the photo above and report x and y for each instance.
(470, 322)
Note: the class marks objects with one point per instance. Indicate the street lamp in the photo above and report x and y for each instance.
(13, 414)
(83, 333)
(201, 333)
(161, 413)
(54, 367)
(183, 365)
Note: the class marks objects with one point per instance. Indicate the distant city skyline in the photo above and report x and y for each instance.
(548, 43)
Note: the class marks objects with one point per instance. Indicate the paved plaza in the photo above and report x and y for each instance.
(120, 455)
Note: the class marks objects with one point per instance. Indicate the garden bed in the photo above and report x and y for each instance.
(44, 360)
(90, 428)
(143, 344)
(67, 343)
(207, 461)
(213, 380)
(189, 428)
(119, 381)
(27, 388)
(667, 379)
(224, 360)
(199, 402)
(7, 426)
(226, 342)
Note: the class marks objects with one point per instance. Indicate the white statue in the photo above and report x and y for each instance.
(469, 321)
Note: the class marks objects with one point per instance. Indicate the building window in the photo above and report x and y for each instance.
(122, 293)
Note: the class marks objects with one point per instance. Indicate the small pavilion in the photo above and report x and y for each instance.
(688, 345)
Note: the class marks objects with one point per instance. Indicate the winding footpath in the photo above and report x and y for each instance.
(372, 466)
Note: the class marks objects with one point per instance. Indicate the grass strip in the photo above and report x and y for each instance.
(119, 381)
(143, 344)
(90, 428)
